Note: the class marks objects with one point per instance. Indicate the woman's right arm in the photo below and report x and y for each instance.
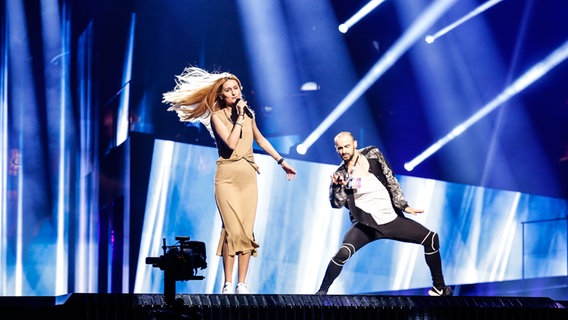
(230, 138)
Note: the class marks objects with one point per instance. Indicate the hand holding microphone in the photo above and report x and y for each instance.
(243, 108)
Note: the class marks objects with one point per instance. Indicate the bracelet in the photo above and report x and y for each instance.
(280, 160)
(239, 123)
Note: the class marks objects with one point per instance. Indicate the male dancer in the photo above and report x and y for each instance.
(365, 184)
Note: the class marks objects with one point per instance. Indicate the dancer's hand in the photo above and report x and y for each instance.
(337, 178)
(413, 211)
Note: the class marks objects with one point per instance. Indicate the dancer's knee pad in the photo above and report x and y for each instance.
(431, 243)
(343, 254)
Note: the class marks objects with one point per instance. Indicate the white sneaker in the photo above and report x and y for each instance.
(242, 288)
(443, 291)
(228, 288)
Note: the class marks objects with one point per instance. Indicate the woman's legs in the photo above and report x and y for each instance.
(228, 264)
(244, 259)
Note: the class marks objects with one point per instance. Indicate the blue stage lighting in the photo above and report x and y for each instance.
(431, 38)
(533, 74)
(422, 23)
(370, 6)
(301, 148)
(123, 117)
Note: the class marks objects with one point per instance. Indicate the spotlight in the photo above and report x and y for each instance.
(455, 24)
(301, 149)
(310, 86)
(359, 15)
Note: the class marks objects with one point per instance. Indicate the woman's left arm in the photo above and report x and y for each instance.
(267, 146)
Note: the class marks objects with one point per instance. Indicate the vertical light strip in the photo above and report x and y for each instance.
(126, 224)
(154, 213)
(122, 135)
(82, 259)
(3, 158)
(19, 270)
(55, 39)
(505, 244)
(86, 257)
(123, 123)
(18, 51)
(92, 238)
(62, 191)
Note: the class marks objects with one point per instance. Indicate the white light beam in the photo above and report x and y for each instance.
(428, 17)
(475, 12)
(529, 77)
(370, 6)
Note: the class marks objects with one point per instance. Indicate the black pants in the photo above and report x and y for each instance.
(400, 229)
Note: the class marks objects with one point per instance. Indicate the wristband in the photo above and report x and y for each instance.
(280, 160)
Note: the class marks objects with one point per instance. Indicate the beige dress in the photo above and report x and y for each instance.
(236, 190)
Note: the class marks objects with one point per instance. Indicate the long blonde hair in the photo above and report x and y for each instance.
(197, 95)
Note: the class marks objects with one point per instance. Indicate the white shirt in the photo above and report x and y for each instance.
(372, 197)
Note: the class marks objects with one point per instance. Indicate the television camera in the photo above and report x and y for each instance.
(179, 262)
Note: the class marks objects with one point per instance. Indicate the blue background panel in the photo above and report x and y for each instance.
(481, 230)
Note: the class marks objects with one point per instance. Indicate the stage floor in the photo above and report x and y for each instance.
(542, 298)
(253, 306)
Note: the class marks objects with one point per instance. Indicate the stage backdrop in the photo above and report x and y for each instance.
(486, 235)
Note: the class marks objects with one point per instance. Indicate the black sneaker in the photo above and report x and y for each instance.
(321, 293)
(442, 291)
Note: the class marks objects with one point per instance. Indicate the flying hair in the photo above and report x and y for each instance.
(196, 95)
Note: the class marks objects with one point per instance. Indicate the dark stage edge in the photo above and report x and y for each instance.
(298, 307)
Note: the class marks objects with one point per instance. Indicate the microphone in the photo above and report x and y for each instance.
(245, 109)
(248, 112)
